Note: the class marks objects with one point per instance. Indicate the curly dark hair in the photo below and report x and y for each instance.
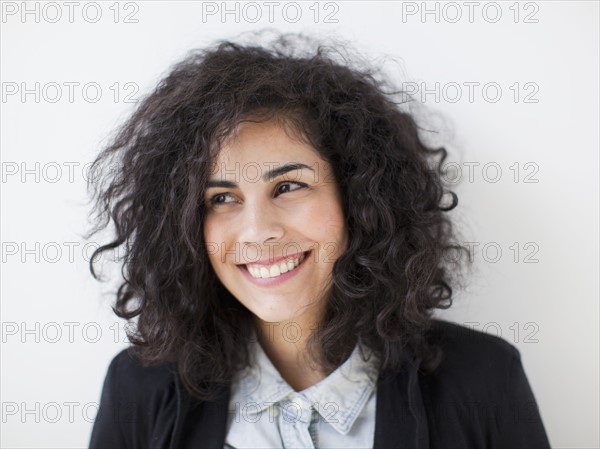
(387, 283)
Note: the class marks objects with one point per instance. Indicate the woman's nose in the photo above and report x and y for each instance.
(259, 222)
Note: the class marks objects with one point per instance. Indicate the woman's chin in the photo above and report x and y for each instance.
(277, 315)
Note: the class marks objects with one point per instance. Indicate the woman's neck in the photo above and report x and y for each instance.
(285, 344)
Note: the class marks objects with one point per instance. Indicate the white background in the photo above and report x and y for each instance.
(548, 309)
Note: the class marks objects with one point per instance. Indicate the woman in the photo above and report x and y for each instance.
(286, 242)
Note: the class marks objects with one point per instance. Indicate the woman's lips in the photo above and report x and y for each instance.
(273, 261)
(271, 281)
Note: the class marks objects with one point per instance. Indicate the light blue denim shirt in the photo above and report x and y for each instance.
(339, 411)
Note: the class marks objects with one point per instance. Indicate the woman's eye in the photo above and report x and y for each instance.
(221, 198)
(218, 199)
(284, 187)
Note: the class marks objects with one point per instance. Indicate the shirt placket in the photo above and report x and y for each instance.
(294, 421)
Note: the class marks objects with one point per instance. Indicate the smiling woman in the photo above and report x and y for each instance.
(294, 231)
(285, 241)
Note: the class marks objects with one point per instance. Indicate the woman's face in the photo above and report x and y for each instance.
(272, 238)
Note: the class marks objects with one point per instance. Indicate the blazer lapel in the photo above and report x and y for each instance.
(199, 423)
(400, 419)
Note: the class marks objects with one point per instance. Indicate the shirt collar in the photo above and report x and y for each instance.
(347, 389)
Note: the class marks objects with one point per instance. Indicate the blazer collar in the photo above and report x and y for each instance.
(400, 420)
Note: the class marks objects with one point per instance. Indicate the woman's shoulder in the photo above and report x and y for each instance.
(467, 339)
(132, 375)
(473, 360)
(479, 391)
(135, 399)
(133, 382)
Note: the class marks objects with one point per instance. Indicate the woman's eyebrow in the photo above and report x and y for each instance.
(266, 177)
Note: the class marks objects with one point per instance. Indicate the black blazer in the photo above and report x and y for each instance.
(478, 397)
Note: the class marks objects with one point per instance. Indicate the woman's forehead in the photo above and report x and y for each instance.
(263, 151)
(265, 142)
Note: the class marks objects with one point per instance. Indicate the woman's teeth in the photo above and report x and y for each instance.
(271, 271)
